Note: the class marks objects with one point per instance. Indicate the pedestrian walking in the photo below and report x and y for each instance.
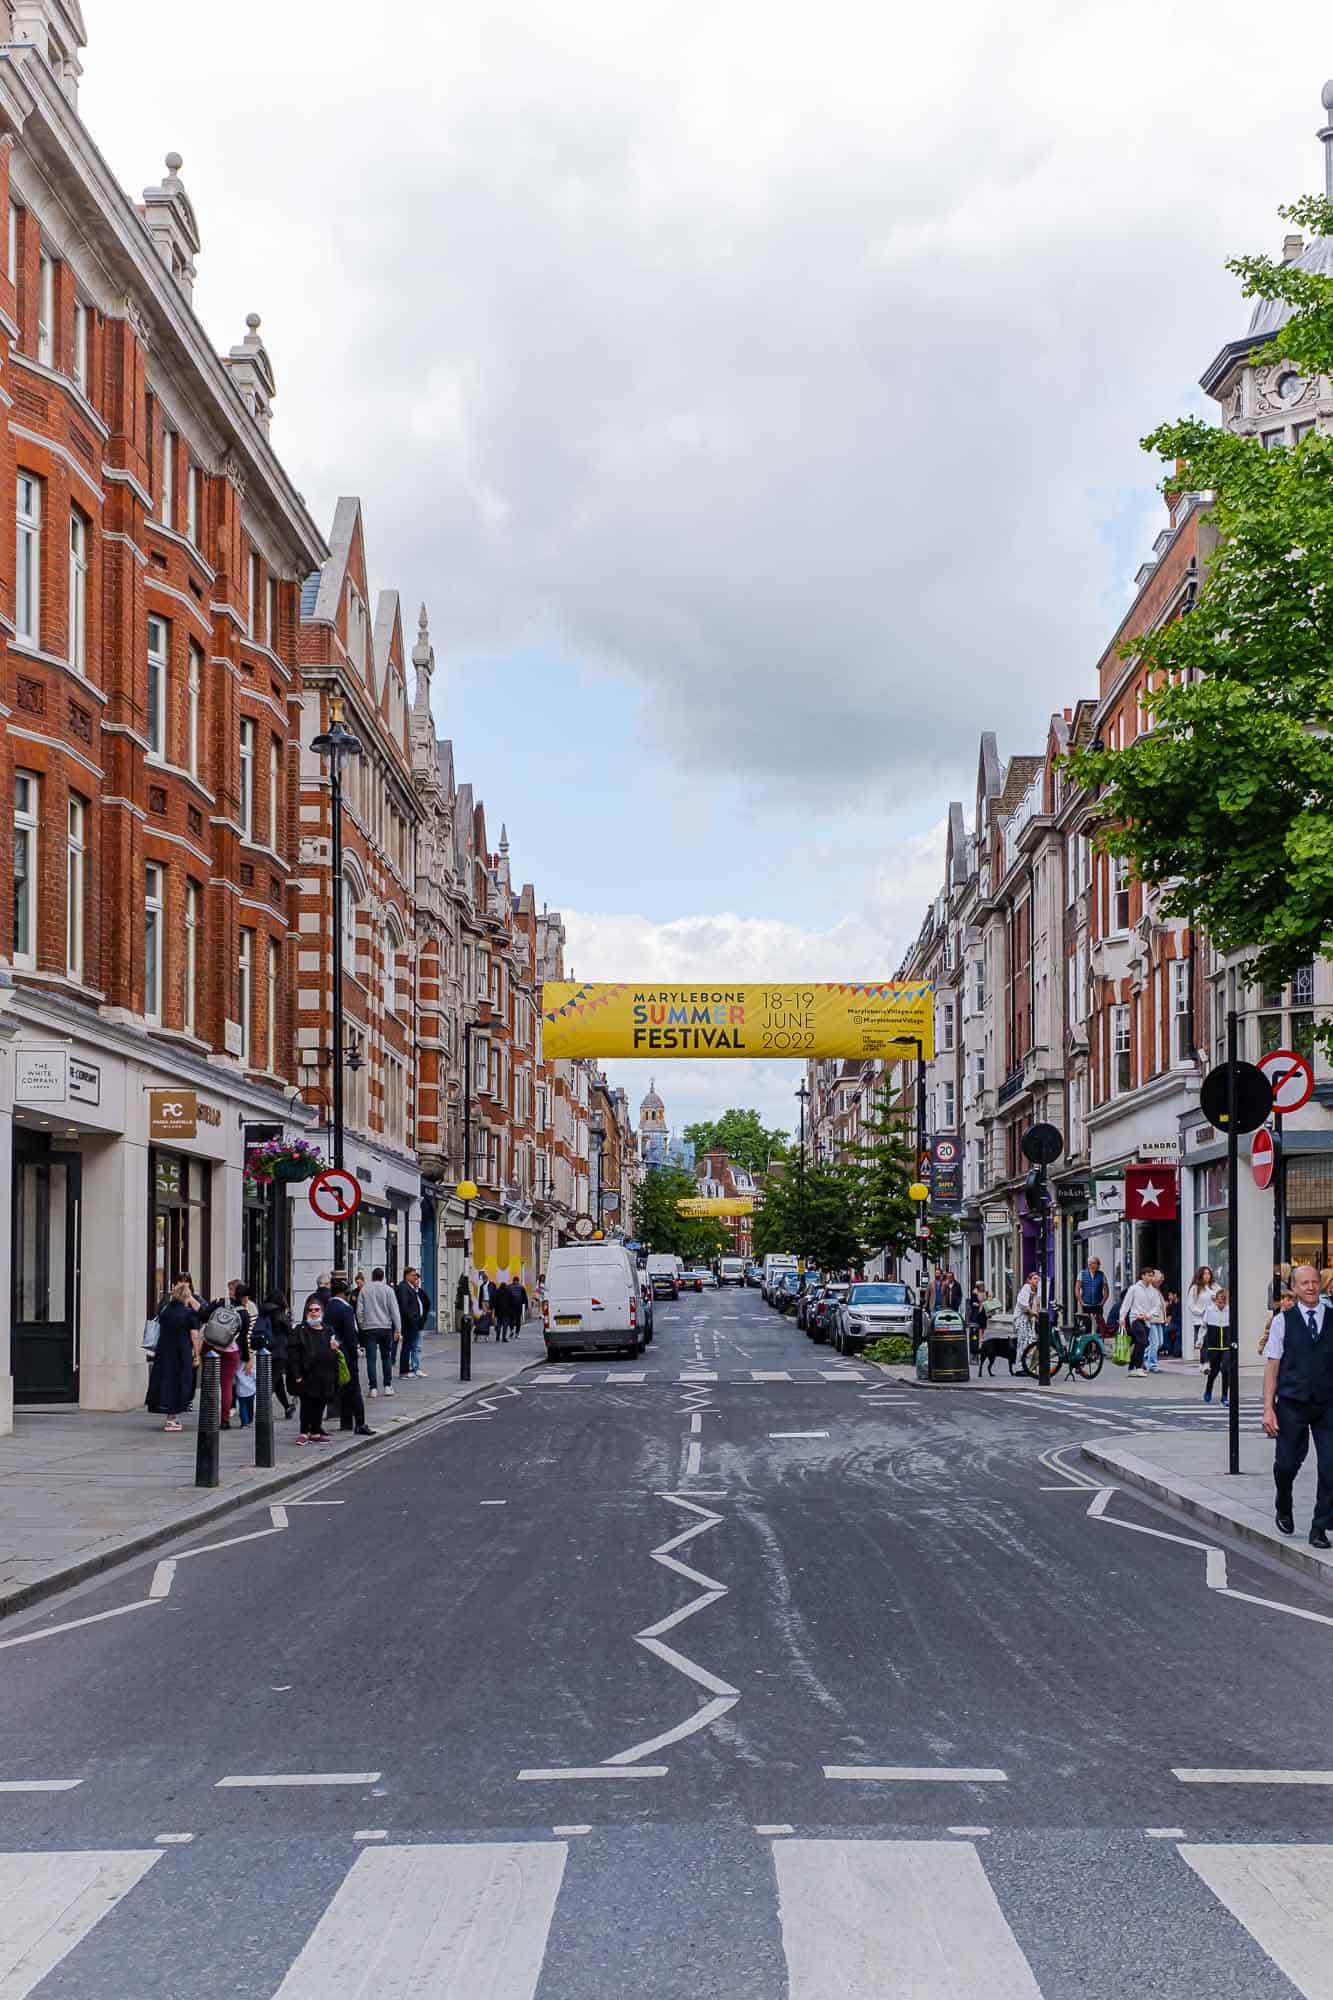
(519, 1292)
(1216, 1340)
(1298, 1400)
(1025, 1316)
(341, 1317)
(314, 1362)
(171, 1377)
(225, 1324)
(380, 1325)
(1093, 1293)
(1198, 1297)
(1141, 1309)
(948, 1291)
(976, 1317)
(413, 1310)
(273, 1310)
(502, 1305)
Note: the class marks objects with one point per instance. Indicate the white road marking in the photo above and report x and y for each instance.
(278, 1516)
(917, 1774)
(49, 1902)
(163, 1577)
(371, 1833)
(1204, 1776)
(690, 1668)
(493, 1503)
(696, 1424)
(841, 1375)
(770, 1375)
(798, 1434)
(701, 1719)
(73, 1624)
(866, 1920)
(581, 1771)
(552, 1381)
(783, 1828)
(630, 1375)
(299, 1778)
(458, 1919)
(40, 1784)
(698, 1375)
(1283, 1895)
(316, 1503)
(172, 1839)
(692, 1458)
(1215, 1569)
(970, 1832)
(1099, 1503)
(1164, 1832)
(567, 1832)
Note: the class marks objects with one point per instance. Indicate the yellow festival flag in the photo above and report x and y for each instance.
(709, 1204)
(885, 1020)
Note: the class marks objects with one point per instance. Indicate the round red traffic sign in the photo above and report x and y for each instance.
(1291, 1077)
(335, 1194)
(1263, 1156)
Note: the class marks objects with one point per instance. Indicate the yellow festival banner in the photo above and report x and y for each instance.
(885, 1021)
(708, 1204)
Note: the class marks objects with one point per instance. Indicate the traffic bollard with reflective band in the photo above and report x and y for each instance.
(465, 1349)
(264, 1409)
(208, 1442)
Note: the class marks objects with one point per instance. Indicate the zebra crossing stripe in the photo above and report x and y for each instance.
(458, 1919)
(861, 1920)
(50, 1902)
(1284, 1897)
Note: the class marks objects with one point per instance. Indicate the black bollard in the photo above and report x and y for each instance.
(209, 1438)
(465, 1348)
(264, 1409)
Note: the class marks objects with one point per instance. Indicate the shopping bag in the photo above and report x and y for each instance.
(1121, 1349)
(344, 1371)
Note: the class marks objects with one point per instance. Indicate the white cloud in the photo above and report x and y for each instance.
(788, 362)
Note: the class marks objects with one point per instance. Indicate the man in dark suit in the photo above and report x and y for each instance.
(413, 1308)
(342, 1320)
(1298, 1400)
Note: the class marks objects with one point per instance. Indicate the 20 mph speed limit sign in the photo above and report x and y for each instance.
(335, 1195)
(1291, 1077)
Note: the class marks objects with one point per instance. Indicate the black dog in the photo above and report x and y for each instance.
(994, 1349)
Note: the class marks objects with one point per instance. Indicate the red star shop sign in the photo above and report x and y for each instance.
(1150, 1194)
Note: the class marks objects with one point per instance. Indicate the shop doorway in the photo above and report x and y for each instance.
(46, 1256)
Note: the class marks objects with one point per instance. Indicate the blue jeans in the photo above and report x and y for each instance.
(245, 1410)
(379, 1341)
(1155, 1331)
(409, 1358)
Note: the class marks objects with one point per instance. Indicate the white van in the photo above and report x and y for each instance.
(664, 1275)
(592, 1301)
(731, 1271)
(774, 1266)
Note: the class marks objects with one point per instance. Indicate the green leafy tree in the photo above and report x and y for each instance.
(814, 1215)
(659, 1222)
(884, 1168)
(743, 1136)
(1227, 803)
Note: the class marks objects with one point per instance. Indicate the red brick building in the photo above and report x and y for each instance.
(151, 705)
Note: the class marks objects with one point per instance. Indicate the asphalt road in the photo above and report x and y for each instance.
(731, 1672)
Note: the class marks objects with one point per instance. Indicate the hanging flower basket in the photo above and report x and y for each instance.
(284, 1160)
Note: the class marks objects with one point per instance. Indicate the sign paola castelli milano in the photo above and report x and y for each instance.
(886, 1020)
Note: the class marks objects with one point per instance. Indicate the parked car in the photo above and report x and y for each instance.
(752, 1276)
(819, 1318)
(787, 1291)
(697, 1279)
(776, 1264)
(663, 1276)
(646, 1302)
(871, 1311)
(806, 1301)
(592, 1301)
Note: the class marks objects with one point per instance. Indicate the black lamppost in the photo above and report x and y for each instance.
(337, 743)
(804, 1095)
(915, 1042)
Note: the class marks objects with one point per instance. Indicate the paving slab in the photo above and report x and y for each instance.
(81, 1490)
(1189, 1472)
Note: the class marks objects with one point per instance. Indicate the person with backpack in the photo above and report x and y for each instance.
(274, 1329)
(226, 1326)
(171, 1378)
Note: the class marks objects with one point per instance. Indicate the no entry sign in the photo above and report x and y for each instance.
(1291, 1077)
(335, 1195)
(1263, 1157)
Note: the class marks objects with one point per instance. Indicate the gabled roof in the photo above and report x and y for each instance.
(345, 534)
(1018, 776)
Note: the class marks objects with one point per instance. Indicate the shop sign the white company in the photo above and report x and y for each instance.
(41, 1076)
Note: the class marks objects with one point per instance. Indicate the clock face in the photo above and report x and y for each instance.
(1289, 386)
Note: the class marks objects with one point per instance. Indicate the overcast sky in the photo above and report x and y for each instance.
(751, 390)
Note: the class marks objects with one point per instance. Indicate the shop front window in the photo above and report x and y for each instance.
(1210, 1220)
(178, 1195)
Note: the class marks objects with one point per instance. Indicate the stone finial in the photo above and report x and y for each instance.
(170, 220)
(251, 370)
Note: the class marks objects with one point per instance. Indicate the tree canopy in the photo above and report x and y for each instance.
(1226, 803)
(742, 1135)
(659, 1223)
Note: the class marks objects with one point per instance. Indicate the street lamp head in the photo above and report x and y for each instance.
(337, 741)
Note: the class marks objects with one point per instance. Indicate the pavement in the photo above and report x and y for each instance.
(80, 1490)
(711, 1673)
